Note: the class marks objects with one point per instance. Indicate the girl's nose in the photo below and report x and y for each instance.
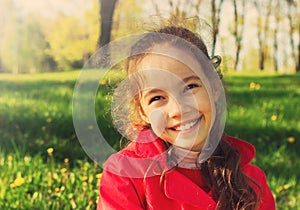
(175, 107)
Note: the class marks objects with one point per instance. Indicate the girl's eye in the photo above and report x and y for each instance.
(190, 86)
(155, 98)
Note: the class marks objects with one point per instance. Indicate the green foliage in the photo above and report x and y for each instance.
(72, 39)
(30, 43)
(126, 20)
(36, 114)
(23, 44)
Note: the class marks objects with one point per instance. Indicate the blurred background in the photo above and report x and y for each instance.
(54, 35)
(44, 45)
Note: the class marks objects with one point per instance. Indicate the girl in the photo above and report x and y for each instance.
(179, 157)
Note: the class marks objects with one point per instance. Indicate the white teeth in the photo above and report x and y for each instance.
(186, 126)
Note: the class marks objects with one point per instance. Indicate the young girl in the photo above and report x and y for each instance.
(179, 157)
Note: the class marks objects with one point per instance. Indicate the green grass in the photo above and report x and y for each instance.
(36, 114)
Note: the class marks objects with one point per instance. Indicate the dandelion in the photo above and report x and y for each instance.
(57, 190)
(102, 82)
(9, 158)
(98, 176)
(274, 117)
(63, 170)
(66, 160)
(50, 150)
(283, 187)
(12, 185)
(291, 139)
(19, 181)
(252, 85)
(84, 178)
(27, 159)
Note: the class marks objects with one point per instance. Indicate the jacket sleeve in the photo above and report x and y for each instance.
(120, 193)
(267, 198)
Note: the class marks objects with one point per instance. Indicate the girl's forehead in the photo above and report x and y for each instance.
(178, 62)
(156, 65)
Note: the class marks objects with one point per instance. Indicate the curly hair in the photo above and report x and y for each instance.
(222, 171)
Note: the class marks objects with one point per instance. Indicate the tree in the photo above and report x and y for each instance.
(264, 12)
(72, 39)
(277, 17)
(107, 8)
(215, 19)
(238, 29)
(125, 21)
(292, 19)
(179, 8)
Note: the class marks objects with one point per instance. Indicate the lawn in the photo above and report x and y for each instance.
(44, 167)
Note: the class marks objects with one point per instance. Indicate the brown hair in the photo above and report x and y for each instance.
(222, 171)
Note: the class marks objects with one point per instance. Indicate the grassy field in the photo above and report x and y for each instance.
(44, 167)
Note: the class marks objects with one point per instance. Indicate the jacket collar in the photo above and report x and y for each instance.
(149, 145)
(247, 150)
(176, 186)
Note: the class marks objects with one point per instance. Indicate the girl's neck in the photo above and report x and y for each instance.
(184, 158)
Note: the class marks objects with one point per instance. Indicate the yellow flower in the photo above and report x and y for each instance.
(283, 187)
(291, 139)
(12, 185)
(49, 120)
(84, 178)
(19, 181)
(57, 190)
(43, 128)
(102, 82)
(252, 85)
(274, 117)
(9, 158)
(98, 176)
(63, 170)
(27, 159)
(50, 150)
(66, 160)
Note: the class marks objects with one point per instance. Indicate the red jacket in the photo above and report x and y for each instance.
(124, 184)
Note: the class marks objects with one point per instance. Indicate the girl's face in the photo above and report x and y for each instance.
(174, 101)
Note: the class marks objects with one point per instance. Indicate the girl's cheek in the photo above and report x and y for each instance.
(158, 122)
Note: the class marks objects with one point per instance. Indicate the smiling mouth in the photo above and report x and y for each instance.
(186, 126)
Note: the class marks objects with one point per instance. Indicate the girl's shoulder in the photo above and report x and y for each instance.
(246, 149)
(145, 155)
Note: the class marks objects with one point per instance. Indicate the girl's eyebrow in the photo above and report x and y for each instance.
(193, 77)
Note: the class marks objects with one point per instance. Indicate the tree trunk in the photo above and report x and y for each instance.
(107, 8)
(215, 19)
(292, 12)
(275, 35)
(262, 33)
(239, 23)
